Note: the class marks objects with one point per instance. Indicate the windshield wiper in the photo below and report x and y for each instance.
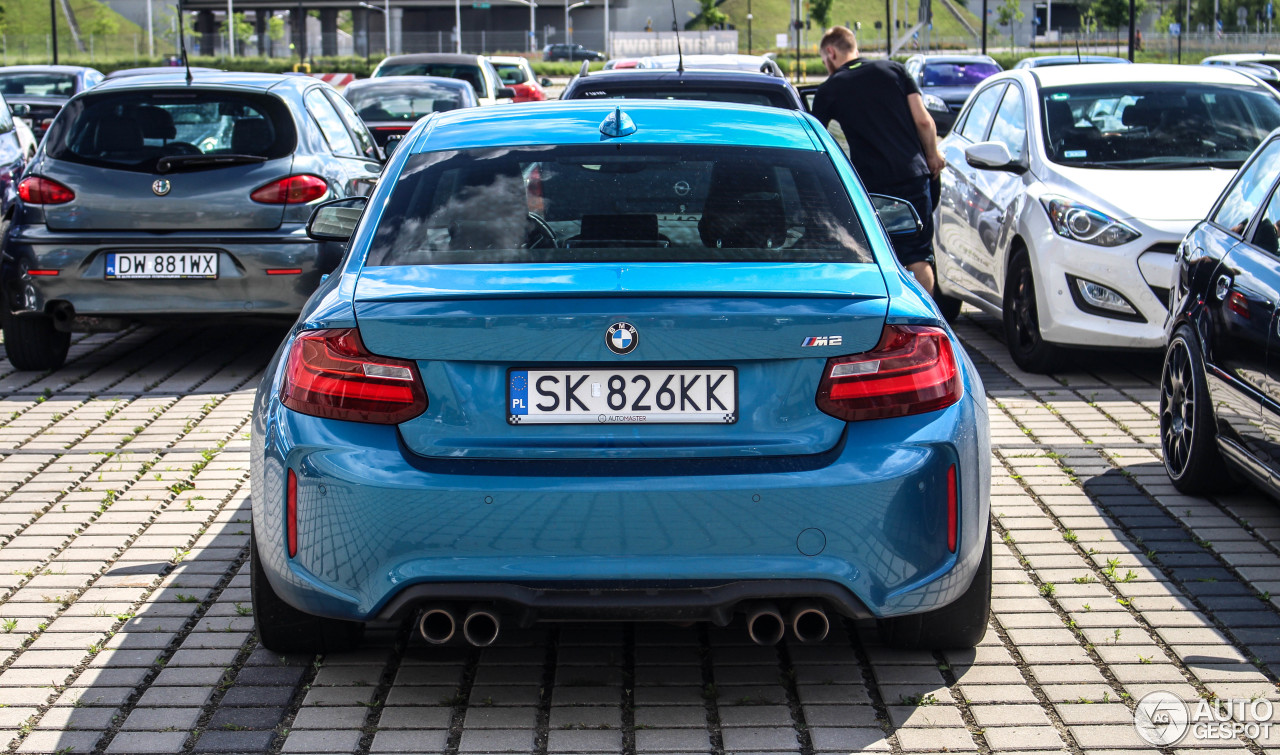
(1228, 164)
(183, 162)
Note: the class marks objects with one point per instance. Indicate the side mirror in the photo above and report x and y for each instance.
(544, 81)
(992, 156)
(898, 216)
(392, 143)
(505, 93)
(336, 219)
(21, 110)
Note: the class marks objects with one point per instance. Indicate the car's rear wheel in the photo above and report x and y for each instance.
(33, 343)
(1022, 320)
(1187, 435)
(284, 629)
(959, 625)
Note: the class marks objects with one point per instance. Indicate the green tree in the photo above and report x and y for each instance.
(1168, 16)
(102, 24)
(1114, 14)
(820, 11)
(241, 30)
(1008, 14)
(275, 28)
(708, 16)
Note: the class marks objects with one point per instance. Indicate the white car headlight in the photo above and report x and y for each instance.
(1081, 222)
(934, 102)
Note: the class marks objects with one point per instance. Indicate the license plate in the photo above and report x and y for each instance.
(162, 265)
(605, 396)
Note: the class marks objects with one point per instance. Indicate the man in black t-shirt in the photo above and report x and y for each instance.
(893, 142)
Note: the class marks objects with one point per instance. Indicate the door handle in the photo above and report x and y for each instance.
(1223, 285)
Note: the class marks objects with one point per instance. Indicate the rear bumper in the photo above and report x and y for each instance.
(243, 285)
(380, 532)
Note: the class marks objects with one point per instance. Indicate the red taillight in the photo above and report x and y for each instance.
(951, 508)
(912, 370)
(40, 190)
(330, 374)
(291, 190)
(291, 513)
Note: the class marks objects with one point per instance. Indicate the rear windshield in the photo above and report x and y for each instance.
(742, 96)
(957, 74)
(403, 103)
(37, 84)
(511, 73)
(132, 130)
(468, 73)
(1156, 125)
(618, 203)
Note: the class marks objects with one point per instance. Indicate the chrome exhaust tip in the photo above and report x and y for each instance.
(764, 624)
(481, 627)
(809, 621)
(438, 625)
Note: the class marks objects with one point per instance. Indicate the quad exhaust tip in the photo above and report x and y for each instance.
(438, 625)
(809, 622)
(764, 624)
(481, 627)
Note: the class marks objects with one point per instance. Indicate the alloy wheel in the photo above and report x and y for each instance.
(1026, 321)
(1177, 407)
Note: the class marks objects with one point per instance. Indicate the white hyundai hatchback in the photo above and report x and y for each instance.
(1067, 191)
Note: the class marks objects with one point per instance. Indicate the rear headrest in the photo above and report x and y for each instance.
(119, 135)
(14, 87)
(251, 136)
(1144, 113)
(743, 208)
(156, 122)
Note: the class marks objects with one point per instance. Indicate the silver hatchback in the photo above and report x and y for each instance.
(154, 199)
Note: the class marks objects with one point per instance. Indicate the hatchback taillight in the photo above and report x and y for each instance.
(41, 190)
(330, 374)
(912, 370)
(292, 190)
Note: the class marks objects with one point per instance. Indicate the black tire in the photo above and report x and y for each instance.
(949, 306)
(284, 629)
(1022, 321)
(957, 626)
(32, 342)
(1188, 436)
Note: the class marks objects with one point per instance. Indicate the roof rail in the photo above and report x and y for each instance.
(586, 64)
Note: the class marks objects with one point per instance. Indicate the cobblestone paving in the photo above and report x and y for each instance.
(126, 627)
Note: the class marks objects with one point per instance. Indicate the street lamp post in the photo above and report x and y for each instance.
(567, 7)
(749, 52)
(231, 29)
(53, 30)
(386, 15)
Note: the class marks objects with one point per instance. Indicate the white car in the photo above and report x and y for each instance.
(1067, 190)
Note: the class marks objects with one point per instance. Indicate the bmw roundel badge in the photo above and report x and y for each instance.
(621, 338)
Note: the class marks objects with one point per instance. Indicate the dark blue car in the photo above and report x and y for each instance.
(1220, 387)
(622, 360)
(44, 90)
(155, 200)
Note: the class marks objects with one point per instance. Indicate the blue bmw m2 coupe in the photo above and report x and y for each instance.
(589, 362)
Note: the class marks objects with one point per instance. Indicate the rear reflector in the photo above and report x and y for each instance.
(292, 190)
(42, 272)
(912, 370)
(291, 513)
(284, 271)
(330, 374)
(41, 190)
(951, 508)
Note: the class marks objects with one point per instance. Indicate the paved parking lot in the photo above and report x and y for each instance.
(126, 624)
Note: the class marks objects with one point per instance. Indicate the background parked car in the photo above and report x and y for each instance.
(945, 82)
(44, 90)
(476, 70)
(124, 73)
(390, 105)
(14, 154)
(1262, 65)
(1040, 61)
(742, 87)
(570, 52)
(516, 73)
(151, 200)
(1067, 190)
(1220, 387)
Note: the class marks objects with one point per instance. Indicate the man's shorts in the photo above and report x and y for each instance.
(918, 247)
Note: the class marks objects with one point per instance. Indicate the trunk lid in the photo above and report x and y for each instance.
(470, 326)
